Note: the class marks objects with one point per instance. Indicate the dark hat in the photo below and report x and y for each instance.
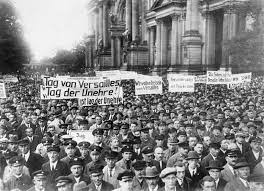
(83, 122)
(39, 174)
(231, 153)
(96, 169)
(192, 155)
(217, 128)
(241, 163)
(4, 117)
(63, 126)
(94, 149)
(214, 164)
(74, 107)
(23, 142)
(42, 118)
(9, 154)
(13, 139)
(137, 141)
(47, 141)
(255, 139)
(159, 137)
(127, 148)
(98, 132)
(167, 171)
(111, 155)
(208, 179)
(63, 180)
(145, 129)
(183, 133)
(202, 113)
(84, 144)
(17, 161)
(147, 150)
(183, 145)
(240, 134)
(124, 126)
(139, 165)
(70, 143)
(76, 161)
(128, 142)
(116, 127)
(215, 145)
(151, 172)
(53, 148)
(126, 175)
(230, 136)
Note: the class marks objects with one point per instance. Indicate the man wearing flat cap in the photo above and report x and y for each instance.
(98, 139)
(42, 127)
(40, 182)
(64, 183)
(138, 181)
(127, 153)
(231, 157)
(111, 170)
(70, 150)
(183, 148)
(54, 167)
(241, 181)
(152, 178)
(241, 143)
(254, 155)
(77, 168)
(84, 150)
(18, 180)
(97, 184)
(168, 176)
(32, 160)
(125, 180)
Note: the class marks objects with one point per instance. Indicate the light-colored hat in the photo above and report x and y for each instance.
(167, 171)
(151, 172)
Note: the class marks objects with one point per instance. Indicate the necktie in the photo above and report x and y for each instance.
(110, 172)
(161, 165)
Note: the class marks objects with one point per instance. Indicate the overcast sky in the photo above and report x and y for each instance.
(50, 25)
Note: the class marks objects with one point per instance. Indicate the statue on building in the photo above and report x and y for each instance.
(113, 19)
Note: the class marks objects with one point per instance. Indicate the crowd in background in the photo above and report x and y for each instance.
(207, 140)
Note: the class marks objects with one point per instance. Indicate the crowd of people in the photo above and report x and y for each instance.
(209, 140)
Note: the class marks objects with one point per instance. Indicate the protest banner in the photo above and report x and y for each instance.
(82, 135)
(201, 79)
(10, 78)
(102, 92)
(2, 90)
(239, 80)
(148, 85)
(219, 77)
(180, 83)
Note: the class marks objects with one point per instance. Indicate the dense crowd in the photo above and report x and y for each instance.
(207, 140)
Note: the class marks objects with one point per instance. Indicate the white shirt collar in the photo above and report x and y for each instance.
(155, 189)
(53, 165)
(77, 179)
(27, 156)
(244, 182)
(256, 154)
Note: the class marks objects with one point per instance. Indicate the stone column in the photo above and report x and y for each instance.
(151, 45)
(113, 51)
(158, 46)
(129, 15)
(192, 39)
(100, 20)
(210, 28)
(134, 19)
(174, 41)
(118, 51)
(230, 26)
(105, 24)
(164, 44)
(143, 22)
(96, 28)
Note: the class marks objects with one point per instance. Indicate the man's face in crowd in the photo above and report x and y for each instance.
(170, 181)
(148, 157)
(98, 139)
(97, 179)
(250, 114)
(159, 154)
(53, 156)
(115, 143)
(51, 129)
(209, 186)
(152, 182)
(17, 169)
(192, 141)
(193, 163)
(214, 151)
(13, 146)
(40, 183)
(41, 123)
(126, 185)
(84, 151)
(144, 134)
(162, 129)
(110, 162)
(129, 113)
(139, 174)
(231, 160)
(65, 187)
(224, 144)
(95, 156)
(98, 120)
(70, 151)
(180, 172)
(240, 139)
(127, 156)
(243, 172)
(24, 149)
(207, 140)
(182, 138)
(215, 173)
(199, 148)
(76, 170)
(171, 146)
(256, 146)
(11, 118)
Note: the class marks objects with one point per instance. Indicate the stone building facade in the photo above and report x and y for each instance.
(161, 36)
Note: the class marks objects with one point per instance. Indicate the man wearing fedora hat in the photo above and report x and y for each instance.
(152, 178)
(241, 181)
(214, 170)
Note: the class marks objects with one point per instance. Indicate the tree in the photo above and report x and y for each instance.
(247, 47)
(14, 52)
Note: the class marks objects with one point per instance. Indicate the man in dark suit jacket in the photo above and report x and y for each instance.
(33, 139)
(33, 161)
(42, 128)
(96, 175)
(54, 167)
(22, 129)
(214, 170)
(214, 149)
(182, 183)
(254, 155)
(240, 182)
